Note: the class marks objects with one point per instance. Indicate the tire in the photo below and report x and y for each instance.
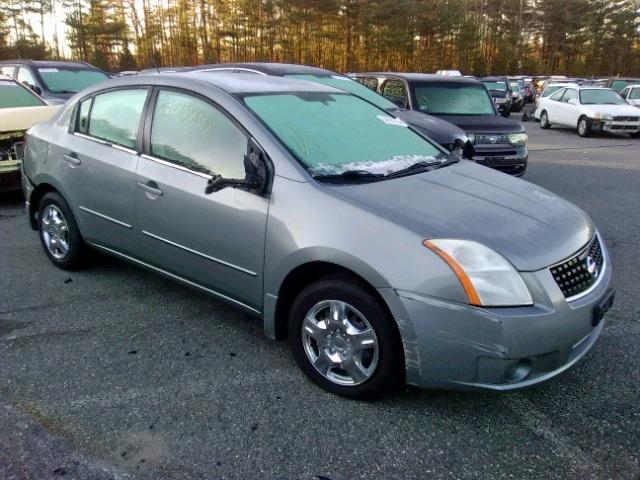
(544, 120)
(59, 233)
(377, 365)
(635, 135)
(584, 127)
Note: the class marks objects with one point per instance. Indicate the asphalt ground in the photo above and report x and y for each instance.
(114, 372)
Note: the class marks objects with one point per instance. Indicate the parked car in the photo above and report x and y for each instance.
(382, 257)
(618, 83)
(517, 96)
(501, 93)
(589, 110)
(20, 109)
(631, 93)
(55, 82)
(445, 133)
(498, 142)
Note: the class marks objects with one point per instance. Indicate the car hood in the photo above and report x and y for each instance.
(440, 131)
(498, 93)
(530, 226)
(23, 118)
(484, 123)
(615, 110)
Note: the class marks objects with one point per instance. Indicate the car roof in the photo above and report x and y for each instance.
(268, 68)
(236, 83)
(419, 77)
(49, 64)
(493, 78)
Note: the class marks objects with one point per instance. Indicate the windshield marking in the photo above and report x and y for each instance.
(383, 167)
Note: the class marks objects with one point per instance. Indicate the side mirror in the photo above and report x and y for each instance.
(37, 89)
(257, 172)
(572, 101)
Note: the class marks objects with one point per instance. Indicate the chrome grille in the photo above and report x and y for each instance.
(581, 271)
(625, 119)
(485, 138)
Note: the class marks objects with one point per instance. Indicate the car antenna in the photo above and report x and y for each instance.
(155, 65)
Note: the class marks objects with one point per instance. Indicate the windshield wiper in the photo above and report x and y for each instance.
(420, 167)
(65, 91)
(351, 176)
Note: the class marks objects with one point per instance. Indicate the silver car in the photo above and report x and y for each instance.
(382, 258)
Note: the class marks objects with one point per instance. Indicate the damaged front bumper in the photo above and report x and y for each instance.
(11, 152)
(456, 346)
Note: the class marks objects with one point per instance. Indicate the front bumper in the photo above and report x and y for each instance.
(507, 158)
(614, 126)
(452, 345)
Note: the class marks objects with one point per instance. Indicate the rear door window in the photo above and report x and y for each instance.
(192, 133)
(115, 116)
(25, 76)
(557, 96)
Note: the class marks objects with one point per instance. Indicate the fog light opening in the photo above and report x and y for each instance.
(518, 371)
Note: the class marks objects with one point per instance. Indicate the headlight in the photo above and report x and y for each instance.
(518, 138)
(487, 278)
(602, 116)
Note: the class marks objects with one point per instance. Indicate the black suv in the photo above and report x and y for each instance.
(498, 142)
(440, 131)
(501, 93)
(55, 82)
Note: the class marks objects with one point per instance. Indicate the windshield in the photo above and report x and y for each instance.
(351, 86)
(635, 94)
(620, 84)
(14, 95)
(549, 90)
(335, 133)
(600, 97)
(491, 85)
(63, 80)
(444, 98)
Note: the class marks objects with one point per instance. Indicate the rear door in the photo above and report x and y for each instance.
(98, 164)
(217, 240)
(554, 106)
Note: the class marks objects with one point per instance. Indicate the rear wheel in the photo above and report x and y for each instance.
(544, 121)
(635, 135)
(584, 127)
(59, 233)
(344, 340)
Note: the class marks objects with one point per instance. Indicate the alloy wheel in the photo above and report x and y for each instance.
(340, 343)
(55, 232)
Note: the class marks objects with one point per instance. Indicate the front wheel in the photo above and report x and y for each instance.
(584, 127)
(544, 121)
(59, 233)
(344, 340)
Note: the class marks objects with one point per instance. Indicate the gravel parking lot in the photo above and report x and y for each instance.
(113, 372)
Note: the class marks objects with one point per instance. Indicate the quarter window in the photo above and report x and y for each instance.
(395, 90)
(191, 132)
(371, 83)
(115, 116)
(25, 77)
(83, 115)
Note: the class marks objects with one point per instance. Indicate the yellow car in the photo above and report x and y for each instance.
(20, 109)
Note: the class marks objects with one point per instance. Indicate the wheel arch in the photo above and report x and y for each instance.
(304, 275)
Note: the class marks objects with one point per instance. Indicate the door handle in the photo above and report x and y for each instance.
(150, 187)
(72, 159)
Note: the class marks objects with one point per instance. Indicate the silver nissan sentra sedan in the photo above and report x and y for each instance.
(381, 257)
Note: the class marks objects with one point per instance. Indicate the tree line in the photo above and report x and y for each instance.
(574, 37)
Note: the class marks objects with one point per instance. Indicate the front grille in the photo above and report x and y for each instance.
(625, 119)
(581, 271)
(485, 138)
